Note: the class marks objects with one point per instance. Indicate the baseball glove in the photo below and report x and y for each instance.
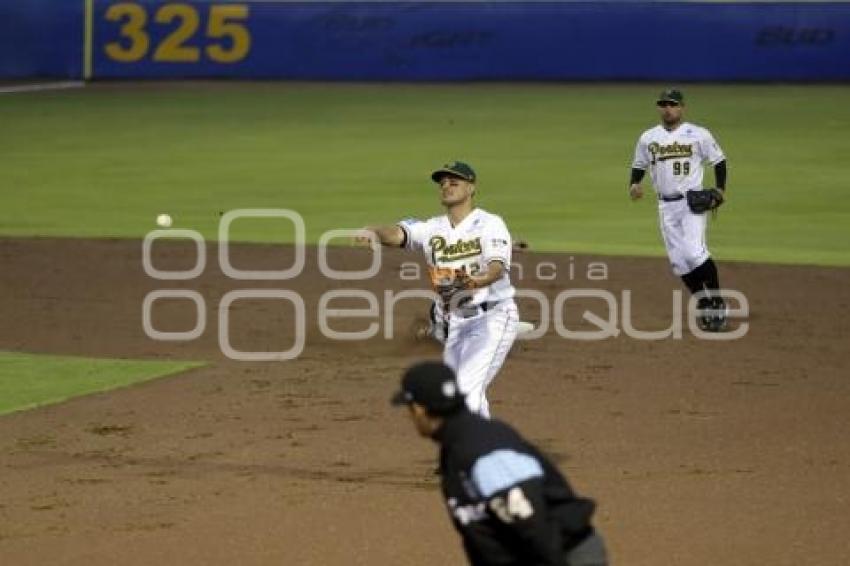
(448, 282)
(704, 200)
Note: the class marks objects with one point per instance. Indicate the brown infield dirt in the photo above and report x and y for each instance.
(698, 452)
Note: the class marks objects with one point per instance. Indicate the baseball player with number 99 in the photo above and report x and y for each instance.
(674, 152)
(468, 251)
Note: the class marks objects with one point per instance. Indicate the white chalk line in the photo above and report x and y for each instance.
(36, 87)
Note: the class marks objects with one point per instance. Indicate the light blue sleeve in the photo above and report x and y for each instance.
(502, 469)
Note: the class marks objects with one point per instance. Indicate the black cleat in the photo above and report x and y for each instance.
(712, 314)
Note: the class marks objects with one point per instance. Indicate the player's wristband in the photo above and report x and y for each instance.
(720, 175)
(637, 175)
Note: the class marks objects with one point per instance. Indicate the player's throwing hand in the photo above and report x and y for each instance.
(363, 237)
(635, 191)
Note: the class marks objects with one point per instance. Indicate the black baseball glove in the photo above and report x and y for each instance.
(704, 200)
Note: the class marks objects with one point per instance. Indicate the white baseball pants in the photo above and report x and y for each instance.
(476, 348)
(684, 235)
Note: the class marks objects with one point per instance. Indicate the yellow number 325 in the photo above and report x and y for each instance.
(225, 21)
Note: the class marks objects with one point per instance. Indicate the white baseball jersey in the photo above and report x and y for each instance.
(475, 347)
(480, 238)
(675, 159)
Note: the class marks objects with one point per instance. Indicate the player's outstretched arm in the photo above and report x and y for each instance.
(387, 235)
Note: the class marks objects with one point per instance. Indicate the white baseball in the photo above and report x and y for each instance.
(164, 220)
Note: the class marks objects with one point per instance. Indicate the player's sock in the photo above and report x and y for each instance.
(693, 281)
(715, 318)
(709, 275)
(703, 277)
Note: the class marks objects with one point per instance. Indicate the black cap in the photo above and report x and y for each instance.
(671, 95)
(456, 168)
(432, 385)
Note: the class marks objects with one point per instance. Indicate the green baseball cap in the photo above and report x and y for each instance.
(671, 95)
(456, 168)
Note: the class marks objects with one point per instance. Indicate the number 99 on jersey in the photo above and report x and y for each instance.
(175, 32)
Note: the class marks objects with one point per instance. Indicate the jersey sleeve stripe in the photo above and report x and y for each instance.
(406, 243)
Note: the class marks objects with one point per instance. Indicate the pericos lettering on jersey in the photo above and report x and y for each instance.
(443, 251)
(674, 150)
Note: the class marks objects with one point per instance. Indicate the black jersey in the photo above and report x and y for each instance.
(509, 503)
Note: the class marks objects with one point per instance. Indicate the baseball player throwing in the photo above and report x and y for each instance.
(674, 152)
(468, 251)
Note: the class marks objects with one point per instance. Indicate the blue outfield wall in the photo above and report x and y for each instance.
(440, 40)
(41, 38)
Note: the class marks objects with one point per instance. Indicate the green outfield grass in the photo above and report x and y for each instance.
(28, 380)
(552, 159)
